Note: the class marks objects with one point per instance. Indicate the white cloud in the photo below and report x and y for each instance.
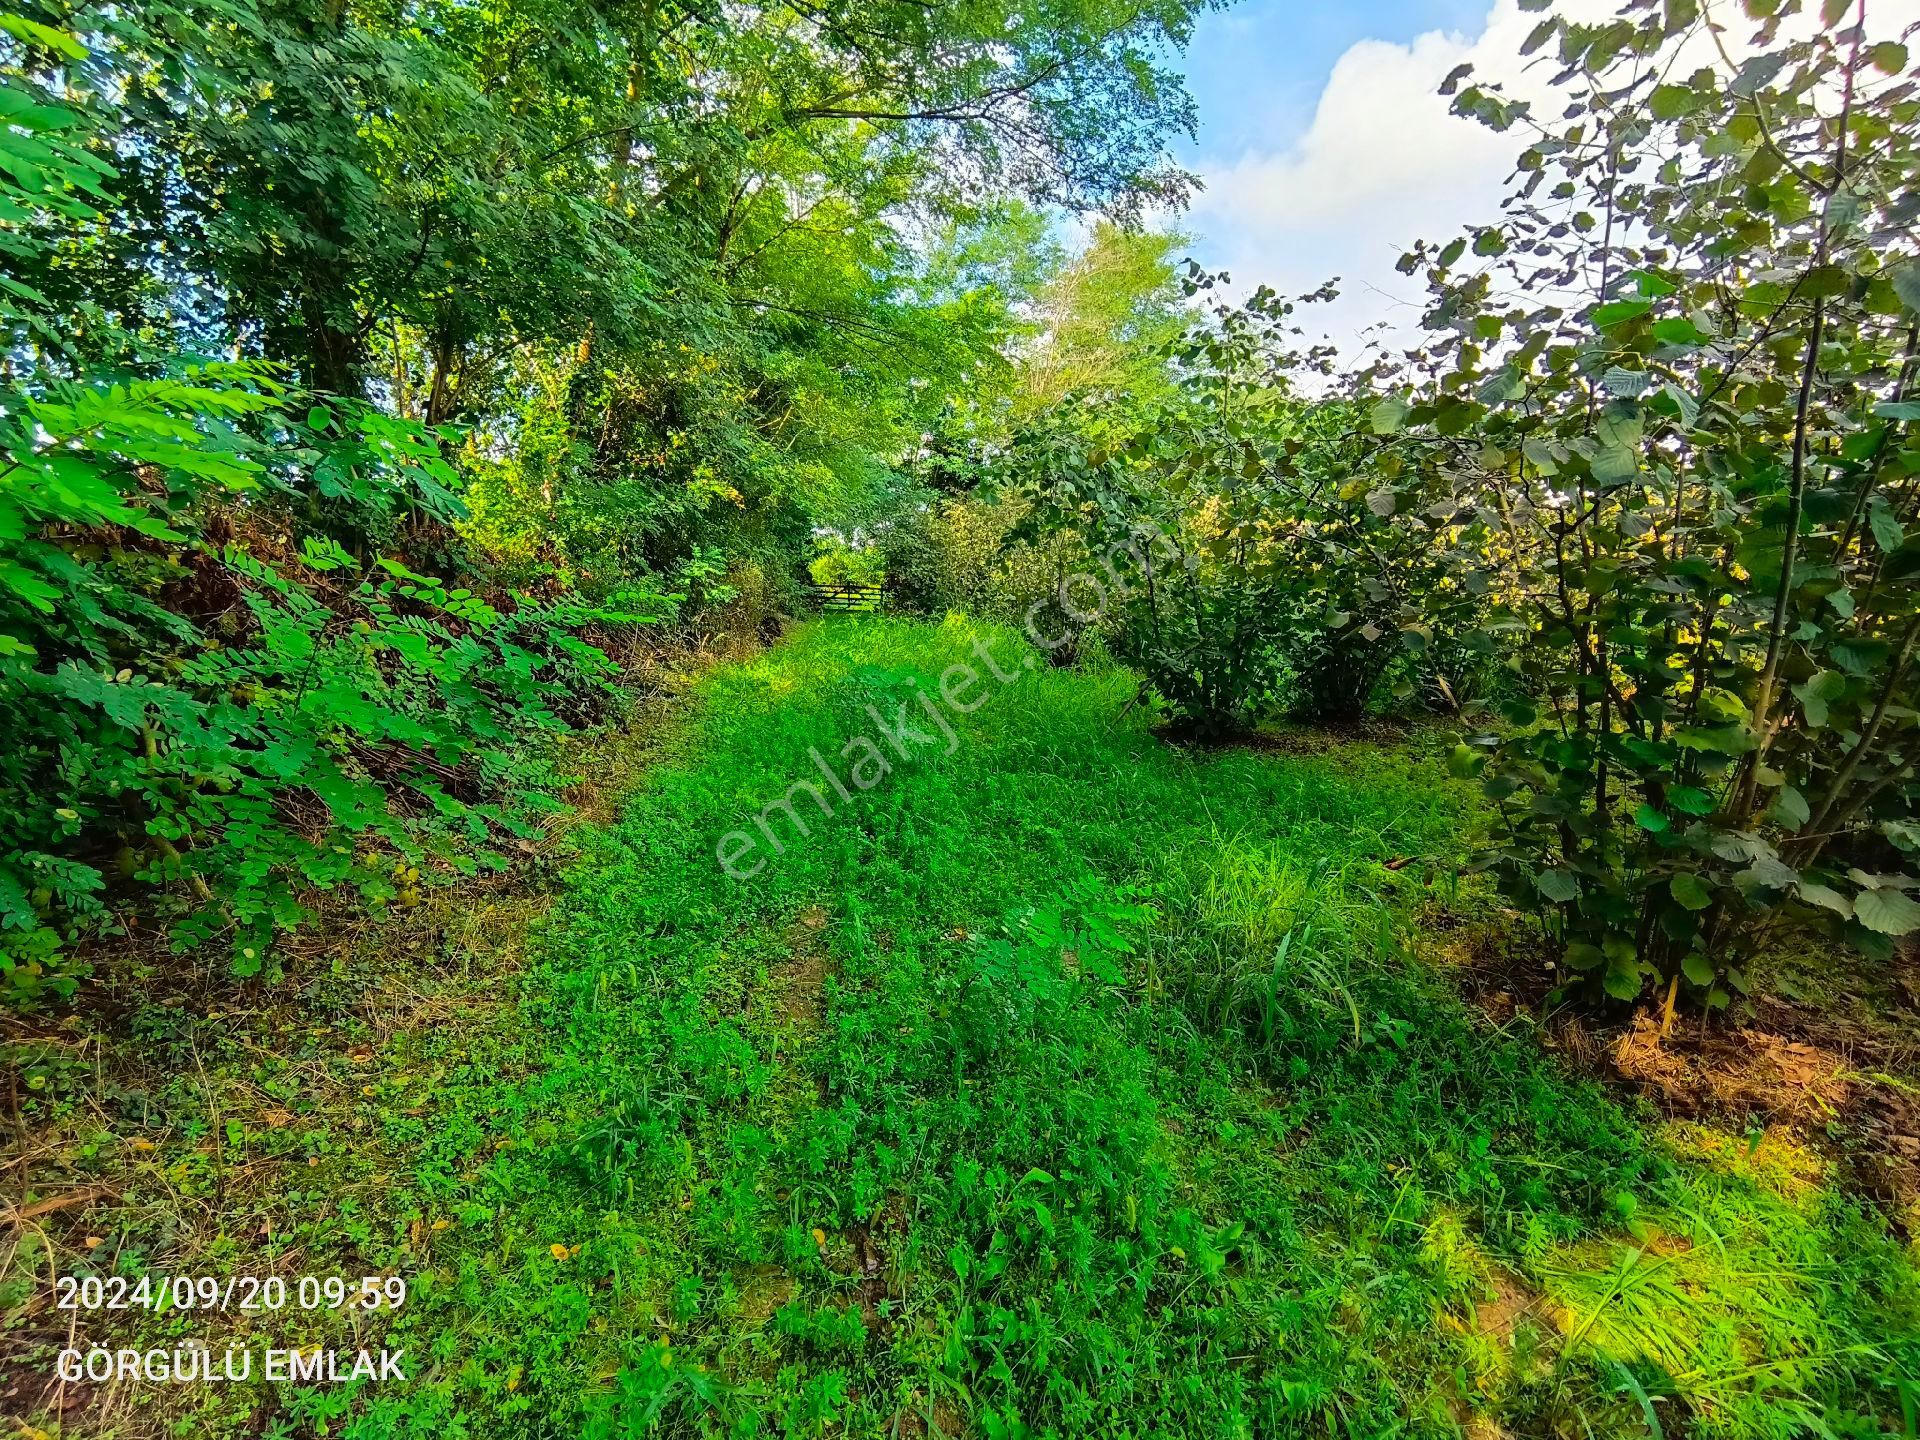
(1384, 163)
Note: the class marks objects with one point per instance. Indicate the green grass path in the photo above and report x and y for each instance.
(1067, 1084)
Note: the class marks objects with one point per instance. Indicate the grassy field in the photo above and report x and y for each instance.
(1060, 1083)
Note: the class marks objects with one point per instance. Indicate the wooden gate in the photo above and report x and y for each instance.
(847, 596)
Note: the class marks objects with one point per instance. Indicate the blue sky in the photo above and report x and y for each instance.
(1325, 149)
(1256, 70)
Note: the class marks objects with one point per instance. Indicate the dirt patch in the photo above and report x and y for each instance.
(25, 1394)
(873, 1245)
(798, 983)
(864, 1252)
(763, 1290)
(1753, 1070)
(946, 1421)
(1866, 1121)
(1285, 740)
(1498, 963)
(1842, 1074)
(1512, 1301)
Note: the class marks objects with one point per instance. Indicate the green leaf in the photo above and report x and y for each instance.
(1678, 330)
(1717, 739)
(1650, 819)
(1791, 808)
(1739, 847)
(1698, 969)
(1454, 416)
(1581, 956)
(1686, 887)
(1389, 415)
(1889, 56)
(1816, 693)
(1619, 312)
(1615, 464)
(1690, 800)
(1502, 385)
(1887, 911)
(1621, 424)
(1906, 284)
(1688, 407)
(1768, 872)
(1825, 282)
(1670, 102)
(1826, 898)
(1623, 979)
(34, 33)
(1888, 533)
(1558, 886)
(323, 553)
(28, 586)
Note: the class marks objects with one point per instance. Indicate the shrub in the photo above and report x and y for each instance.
(1237, 550)
(839, 562)
(211, 723)
(911, 560)
(1701, 479)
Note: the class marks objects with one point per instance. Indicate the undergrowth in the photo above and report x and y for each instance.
(1065, 1084)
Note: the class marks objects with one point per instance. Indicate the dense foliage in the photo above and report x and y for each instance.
(1231, 545)
(532, 325)
(391, 391)
(1655, 457)
(1702, 469)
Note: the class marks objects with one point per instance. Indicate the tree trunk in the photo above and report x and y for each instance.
(441, 404)
(332, 355)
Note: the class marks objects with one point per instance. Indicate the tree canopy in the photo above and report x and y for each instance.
(343, 338)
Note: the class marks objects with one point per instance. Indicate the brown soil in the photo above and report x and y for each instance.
(1844, 1079)
(1286, 740)
(872, 1244)
(1511, 1301)
(798, 984)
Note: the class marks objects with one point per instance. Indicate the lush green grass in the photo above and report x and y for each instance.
(1065, 1084)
